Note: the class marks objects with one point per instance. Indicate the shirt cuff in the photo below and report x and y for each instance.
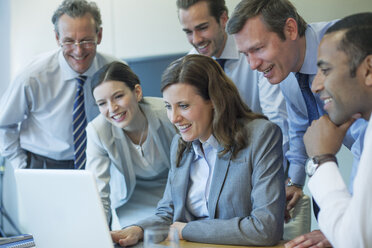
(297, 173)
(325, 180)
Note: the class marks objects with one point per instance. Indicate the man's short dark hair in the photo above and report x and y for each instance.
(216, 7)
(357, 39)
(77, 8)
(274, 14)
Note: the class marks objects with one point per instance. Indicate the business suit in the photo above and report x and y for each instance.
(110, 159)
(246, 200)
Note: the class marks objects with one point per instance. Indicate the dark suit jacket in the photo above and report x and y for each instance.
(247, 196)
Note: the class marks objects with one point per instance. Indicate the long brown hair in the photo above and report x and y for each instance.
(230, 112)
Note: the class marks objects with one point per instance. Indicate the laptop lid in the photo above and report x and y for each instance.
(62, 208)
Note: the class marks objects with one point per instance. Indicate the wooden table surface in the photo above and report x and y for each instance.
(187, 244)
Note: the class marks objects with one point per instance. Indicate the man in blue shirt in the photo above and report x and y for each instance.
(278, 42)
(37, 125)
(204, 22)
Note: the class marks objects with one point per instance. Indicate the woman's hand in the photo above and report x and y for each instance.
(128, 236)
(179, 227)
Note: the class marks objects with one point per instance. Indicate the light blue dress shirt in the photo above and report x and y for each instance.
(261, 96)
(201, 172)
(36, 112)
(297, 112)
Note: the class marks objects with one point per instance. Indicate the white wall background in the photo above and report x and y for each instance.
(4, 45)
(131, 28)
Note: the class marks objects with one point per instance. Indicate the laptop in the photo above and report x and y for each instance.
(62, 208)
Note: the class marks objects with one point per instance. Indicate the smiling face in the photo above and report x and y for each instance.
(342, 94)
(266, 52)
(188, 111)
(117, 102)
(76, 30)
(202, 30)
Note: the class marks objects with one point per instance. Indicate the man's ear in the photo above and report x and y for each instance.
(291, 29)
(223, 19)
(99, 36)
(368, 70)
(57, 38)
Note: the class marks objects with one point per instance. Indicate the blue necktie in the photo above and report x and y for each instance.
(312, 112)
(78, 125)
(222, 63)
(311, 106)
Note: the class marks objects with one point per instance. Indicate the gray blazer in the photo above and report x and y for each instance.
(108, 155)
(247, 196)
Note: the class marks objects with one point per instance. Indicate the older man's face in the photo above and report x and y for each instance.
(79, 29)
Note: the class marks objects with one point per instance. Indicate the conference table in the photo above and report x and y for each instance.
(187, 244)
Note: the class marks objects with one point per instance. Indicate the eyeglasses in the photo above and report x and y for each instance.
(69, 45)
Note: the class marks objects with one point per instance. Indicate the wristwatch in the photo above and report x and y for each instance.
(313, 163)
(290, 183)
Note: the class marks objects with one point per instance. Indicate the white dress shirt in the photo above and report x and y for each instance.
(345, 219)
(201, 172)
(36, 112)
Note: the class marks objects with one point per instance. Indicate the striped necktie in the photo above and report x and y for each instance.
(78, 125)
(311, 106)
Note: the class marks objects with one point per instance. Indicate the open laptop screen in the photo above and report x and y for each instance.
(61, 208)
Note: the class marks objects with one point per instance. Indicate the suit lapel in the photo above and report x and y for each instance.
(181, 183)
(218, 179)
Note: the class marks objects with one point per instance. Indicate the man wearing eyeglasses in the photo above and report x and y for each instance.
(45, 111)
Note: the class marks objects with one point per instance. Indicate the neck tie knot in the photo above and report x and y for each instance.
(222, 63)
(81, 80)
(303, 80)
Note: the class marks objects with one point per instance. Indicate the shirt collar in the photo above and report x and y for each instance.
(314, 33)
(211, 143)
(230, 50)
(69, 74)
(309, 66)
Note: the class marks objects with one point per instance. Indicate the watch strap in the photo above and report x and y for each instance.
(321, 159)
(290, 183)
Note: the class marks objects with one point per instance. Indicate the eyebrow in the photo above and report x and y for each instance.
(201, 25)
(321, 63)
(197, 26)
(254, 46)
(83, 39)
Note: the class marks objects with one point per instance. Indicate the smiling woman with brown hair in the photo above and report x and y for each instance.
(225, 185)
(128, 144)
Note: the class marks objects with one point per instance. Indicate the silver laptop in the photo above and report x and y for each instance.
(62, 208)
